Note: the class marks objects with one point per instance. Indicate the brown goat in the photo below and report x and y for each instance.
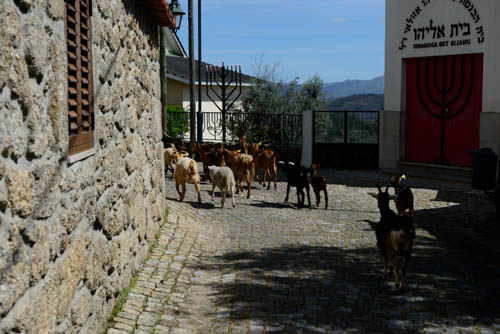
(243, 167)
(171, 156)
(265, 160)
(208, 157)
(404, 196)
(318, 184)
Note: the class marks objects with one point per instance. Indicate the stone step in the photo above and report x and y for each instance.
(433, 171)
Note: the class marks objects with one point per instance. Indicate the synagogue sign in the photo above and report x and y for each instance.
(435, 34)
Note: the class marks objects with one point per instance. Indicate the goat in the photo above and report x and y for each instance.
(186, 171)
(208, 157)
(404, 196)
(265, 160)
(243, 166)
(223, 178)
(171, 156)
(318, 184)
(296, 176)
(395, 235)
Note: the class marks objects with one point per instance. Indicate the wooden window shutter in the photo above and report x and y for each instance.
(79, 47)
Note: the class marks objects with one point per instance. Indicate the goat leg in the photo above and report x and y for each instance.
(275, 170)
(308, 196)
(183, 191)
(386, 269)
(318, 197)
(287, 192)
(300, 201)
(268, 178)
(223, 197)
(177, 187)
(397, 282)
(197, 187)
(213, 191)
(326, 199)
(249, 182)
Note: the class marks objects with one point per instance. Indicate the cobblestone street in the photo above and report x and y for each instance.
(268, 267)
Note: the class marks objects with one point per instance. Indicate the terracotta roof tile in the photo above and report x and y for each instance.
(161, 12)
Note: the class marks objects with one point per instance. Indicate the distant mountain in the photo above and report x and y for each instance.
(334, 90)
(363, 102)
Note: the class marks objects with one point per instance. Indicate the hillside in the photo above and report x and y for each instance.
(358, 102)
(334, 90)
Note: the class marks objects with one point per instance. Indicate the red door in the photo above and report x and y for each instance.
(443, 102)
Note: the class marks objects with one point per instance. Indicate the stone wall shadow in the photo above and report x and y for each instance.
(315, 287)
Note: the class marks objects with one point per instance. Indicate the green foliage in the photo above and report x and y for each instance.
(268, 95)
(358, 102)
(177, 121)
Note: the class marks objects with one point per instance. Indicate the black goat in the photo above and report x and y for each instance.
(404, 196)
(395, 235)
(296, 176)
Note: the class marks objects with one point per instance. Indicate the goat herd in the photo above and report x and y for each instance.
(394, 232)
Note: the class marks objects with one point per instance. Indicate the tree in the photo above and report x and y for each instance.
(270, 95)
(177, 121)
(266, 103)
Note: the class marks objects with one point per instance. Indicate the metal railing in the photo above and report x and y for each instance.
(279, 129)
(346, 127)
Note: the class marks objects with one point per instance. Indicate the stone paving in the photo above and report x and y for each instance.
(268, 267)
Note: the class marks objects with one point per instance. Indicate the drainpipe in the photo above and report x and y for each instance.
(192, 102)
(163, 78)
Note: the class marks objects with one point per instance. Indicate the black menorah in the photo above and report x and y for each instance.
(445, 105)
(223, 77)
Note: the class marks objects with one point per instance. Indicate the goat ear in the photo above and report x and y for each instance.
(239, 151)
(403, 177)
(392, 179)
(291, 163)
(379, 190)
(386, 189)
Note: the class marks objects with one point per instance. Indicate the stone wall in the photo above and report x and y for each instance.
(72, 235)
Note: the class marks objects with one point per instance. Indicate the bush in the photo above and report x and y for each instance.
(177, 121)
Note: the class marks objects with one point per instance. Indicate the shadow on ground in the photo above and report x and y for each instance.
(308, 286)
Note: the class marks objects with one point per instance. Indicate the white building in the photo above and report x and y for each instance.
(442, 84)
(178, 86)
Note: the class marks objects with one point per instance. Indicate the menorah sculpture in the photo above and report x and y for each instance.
(223, 77)
(446, 105)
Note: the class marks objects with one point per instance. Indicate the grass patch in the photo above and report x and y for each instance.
(122, 298)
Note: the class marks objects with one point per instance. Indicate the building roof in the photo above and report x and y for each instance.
(174, 45)
(161, 13)
(178, 68)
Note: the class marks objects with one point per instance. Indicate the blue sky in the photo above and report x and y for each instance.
(336, 39)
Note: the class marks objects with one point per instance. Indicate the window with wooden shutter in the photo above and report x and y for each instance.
(79, 47)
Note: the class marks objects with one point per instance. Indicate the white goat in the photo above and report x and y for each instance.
(223, 178)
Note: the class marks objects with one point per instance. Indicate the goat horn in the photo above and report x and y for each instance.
(379, 190)
(386, 188)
